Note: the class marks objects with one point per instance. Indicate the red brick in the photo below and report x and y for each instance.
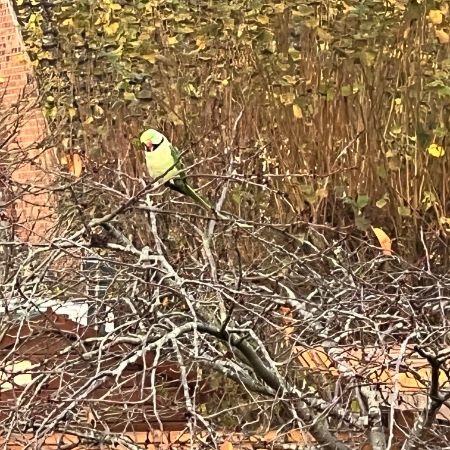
(35, 211)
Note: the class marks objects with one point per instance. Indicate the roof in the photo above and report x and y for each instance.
(44, 342)
(385, 368)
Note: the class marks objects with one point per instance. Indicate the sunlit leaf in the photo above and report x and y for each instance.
(172, 40)
(298, 114)
(75, 164)
(446, 222)
(443, 37)
(129, 96)
(294, 54)
(191, 90)
(383, 201)
(435, 16)
(150, 57)
(200, 42)
(68, 22)
(279, 7)
(72, 112)
(290, 79)
(185, 30)
(384, 240)
(111, 28)
(263, 20)
(98, 112)
(436, 150)
(404, 211)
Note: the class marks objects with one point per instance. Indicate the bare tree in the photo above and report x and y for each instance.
(140, 311)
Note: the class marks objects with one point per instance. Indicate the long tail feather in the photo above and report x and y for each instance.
(198, 198)
(181, 186)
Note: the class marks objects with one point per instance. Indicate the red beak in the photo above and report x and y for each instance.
(149, 146)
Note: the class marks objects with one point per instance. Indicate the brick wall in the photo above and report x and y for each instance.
(22, 160)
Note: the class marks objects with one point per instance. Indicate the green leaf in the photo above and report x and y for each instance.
(346, 90)
(354, 406)
(382, 202)
(362, 201)
(404, 211)
(236, 195)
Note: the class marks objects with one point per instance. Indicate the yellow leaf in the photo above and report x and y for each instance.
(290, 79)
(129, 96)
(89, 120)
(150, 57)
(200, 42)
(172, 40)
(298, 114)
(435, 16)
(111, 28)
(436, 150)
(287, 98)
(185, 30)
(263, 20)
(72, 112)
(75, 164)
(279, 7)
(294, 54)
(98, 111)
(115, 6)
(442, 36)
(68, 23)
(445, 221)
(384, 240)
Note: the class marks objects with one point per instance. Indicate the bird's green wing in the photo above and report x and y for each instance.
(176, 157)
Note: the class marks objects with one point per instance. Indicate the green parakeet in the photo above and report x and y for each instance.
(163, 159)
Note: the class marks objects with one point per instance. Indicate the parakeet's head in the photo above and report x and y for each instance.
(151, 139)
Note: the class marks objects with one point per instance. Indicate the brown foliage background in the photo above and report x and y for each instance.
(337, 103)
